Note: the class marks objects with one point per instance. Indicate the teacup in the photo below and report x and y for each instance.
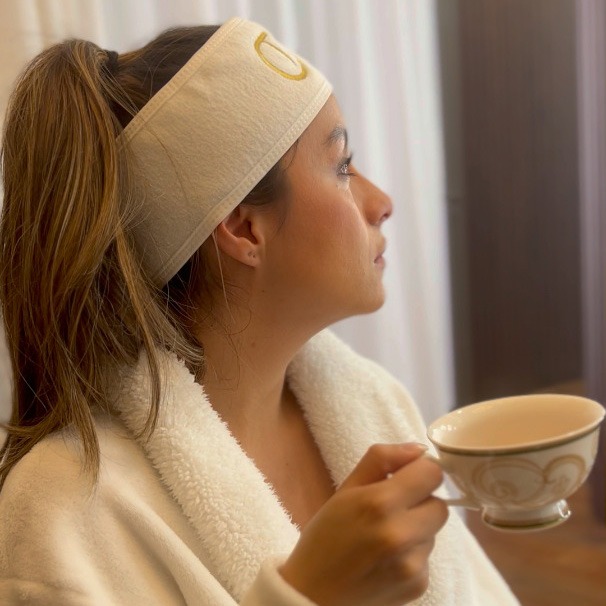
(517, 459)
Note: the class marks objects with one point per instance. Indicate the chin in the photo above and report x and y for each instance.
(378, 304)
(373, 302)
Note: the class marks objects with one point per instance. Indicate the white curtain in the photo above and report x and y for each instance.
(381, 57)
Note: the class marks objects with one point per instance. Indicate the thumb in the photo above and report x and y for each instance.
(381, 460)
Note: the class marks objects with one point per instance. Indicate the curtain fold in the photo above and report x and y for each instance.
(382, 60)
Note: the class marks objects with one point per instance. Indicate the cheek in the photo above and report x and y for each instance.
(350, 233)
(324, 233)
(335, 222)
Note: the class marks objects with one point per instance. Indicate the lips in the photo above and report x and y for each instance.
(379, 258)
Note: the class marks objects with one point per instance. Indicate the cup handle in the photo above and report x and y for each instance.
(463, 500)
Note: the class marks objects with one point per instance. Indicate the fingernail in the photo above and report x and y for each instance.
(418, 445)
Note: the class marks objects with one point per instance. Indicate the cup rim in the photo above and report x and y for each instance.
(528, 446)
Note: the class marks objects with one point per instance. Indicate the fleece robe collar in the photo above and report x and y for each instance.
(349, 403)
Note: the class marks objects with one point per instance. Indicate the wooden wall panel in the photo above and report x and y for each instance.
(519, 147)
(591, 64)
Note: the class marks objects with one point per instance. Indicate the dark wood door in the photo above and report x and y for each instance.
(526, 150)
(520, 197)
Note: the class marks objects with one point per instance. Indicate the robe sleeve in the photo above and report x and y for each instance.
(65, 540)
(270, 589)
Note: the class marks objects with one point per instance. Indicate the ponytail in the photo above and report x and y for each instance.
(74, 301)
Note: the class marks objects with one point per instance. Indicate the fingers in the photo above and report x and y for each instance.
(404, 544)
(390, 535)
(370, 543)
(414, 482)
(412, 527)
(396, 514)
(406, 574)
(380, 461)
(405, 489)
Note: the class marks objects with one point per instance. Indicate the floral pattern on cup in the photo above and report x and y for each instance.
(497, 481)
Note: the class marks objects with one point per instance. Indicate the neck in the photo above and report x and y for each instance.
(247, 356)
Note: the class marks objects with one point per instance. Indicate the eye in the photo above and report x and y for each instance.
(344, 167)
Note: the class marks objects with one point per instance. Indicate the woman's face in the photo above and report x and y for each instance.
(325, 259)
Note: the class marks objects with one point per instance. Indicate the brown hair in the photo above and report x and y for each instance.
(74, 300)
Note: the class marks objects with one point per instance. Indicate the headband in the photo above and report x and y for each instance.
(201, 144)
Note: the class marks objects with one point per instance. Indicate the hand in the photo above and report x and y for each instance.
(369, 544)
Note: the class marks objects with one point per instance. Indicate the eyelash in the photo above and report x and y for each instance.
(344, 166)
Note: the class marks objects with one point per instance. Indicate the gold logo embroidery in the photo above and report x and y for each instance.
(296, 63)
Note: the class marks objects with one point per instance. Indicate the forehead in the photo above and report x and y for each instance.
(328, 127)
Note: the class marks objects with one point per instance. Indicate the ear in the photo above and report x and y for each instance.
(241, 236)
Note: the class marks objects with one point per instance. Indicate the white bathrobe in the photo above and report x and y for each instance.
(186, 517)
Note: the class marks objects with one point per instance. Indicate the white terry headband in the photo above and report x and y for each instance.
(200, 145)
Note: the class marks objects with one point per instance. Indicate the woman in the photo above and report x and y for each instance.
(180, 224)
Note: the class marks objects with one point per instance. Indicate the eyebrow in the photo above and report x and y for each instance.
(338, 133)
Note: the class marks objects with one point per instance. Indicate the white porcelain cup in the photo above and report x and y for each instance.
(517, 459)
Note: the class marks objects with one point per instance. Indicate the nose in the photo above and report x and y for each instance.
(376, 204)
